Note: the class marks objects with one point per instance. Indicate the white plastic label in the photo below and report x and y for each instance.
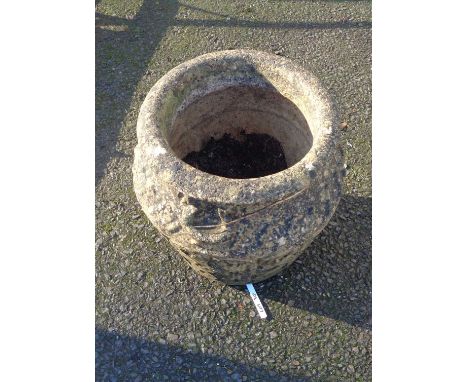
(256, 300)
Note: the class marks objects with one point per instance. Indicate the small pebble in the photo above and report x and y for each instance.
(172, 337)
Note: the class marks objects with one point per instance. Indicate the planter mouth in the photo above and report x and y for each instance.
(232, 92)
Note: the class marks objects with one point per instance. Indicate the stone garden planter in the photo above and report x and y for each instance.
(238, 230)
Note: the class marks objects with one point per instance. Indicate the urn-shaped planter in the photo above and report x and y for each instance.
(238, 230)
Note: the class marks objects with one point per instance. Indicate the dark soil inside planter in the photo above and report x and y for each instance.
(253, 156)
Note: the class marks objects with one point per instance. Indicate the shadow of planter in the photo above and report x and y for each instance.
(333, 276)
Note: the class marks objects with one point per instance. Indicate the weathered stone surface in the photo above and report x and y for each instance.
(238, 230)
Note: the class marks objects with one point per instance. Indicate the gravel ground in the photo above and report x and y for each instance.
(155, 318)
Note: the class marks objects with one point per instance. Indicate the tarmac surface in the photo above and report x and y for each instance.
(155, 318)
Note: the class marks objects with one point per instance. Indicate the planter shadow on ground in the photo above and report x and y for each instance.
(124, 358)
(332, 277)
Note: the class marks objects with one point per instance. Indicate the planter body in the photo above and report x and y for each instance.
(238, 230)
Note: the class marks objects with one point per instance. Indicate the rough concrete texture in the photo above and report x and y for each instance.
(238, 230)
(156, 319)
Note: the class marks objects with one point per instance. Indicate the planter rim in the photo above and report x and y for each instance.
(217, 189)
